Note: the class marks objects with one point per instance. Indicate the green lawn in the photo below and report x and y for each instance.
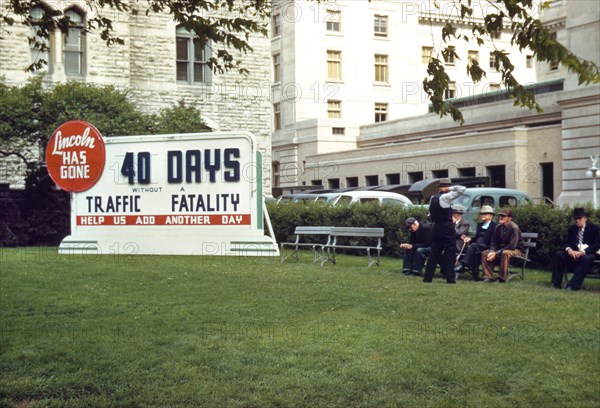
(167, 331)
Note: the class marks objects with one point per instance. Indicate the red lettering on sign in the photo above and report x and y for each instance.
(75, 156)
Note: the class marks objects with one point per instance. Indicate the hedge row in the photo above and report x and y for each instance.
(550, 223)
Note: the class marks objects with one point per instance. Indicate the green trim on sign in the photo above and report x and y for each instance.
(259, 192)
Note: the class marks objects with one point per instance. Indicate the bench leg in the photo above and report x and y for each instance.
(294, 255)
(371, 262)
(330, 255)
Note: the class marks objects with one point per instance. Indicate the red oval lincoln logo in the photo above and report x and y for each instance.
(75, 156)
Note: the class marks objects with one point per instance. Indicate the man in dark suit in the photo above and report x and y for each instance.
(417, 248)
(579, 249)
(480, 242)
(443, 245)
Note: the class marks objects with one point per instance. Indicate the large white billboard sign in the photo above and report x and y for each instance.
(188, 194)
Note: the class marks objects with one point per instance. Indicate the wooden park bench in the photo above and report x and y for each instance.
(352, 232)
(593, 273)
(303, 236)
(520, 262)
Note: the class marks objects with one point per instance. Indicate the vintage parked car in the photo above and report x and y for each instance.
(497, 198)
(383, 197)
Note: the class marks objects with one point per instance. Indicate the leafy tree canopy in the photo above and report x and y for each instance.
(30, 114)
(231, 22)
(222, 22)
(528, 33)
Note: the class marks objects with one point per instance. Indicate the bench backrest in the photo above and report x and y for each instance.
(357, 232)
(308, 230)
(529, 239)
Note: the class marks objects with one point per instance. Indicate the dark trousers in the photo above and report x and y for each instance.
(443, 251)
(413, 261)
(579, 266)
(472, 258)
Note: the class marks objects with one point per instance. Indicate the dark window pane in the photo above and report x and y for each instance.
(182, 71)
(182, 49)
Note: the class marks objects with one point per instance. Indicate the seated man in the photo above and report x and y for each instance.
(461, 227)
(417, 248)
(577, 255)
(506, 243)
(461, 231)
(480, 242)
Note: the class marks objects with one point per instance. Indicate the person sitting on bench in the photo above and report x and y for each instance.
(577, 255)
(480, 242)
(417, 248)
(506, 243)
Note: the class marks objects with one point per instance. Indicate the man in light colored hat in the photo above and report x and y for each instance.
(506, 243)
(480, 242)
(577, 255)
(443, 244)
(417, 248)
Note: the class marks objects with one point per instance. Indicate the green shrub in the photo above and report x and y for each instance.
(549, 222)
(286, 217)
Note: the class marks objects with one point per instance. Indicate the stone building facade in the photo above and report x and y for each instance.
(544, 154)
(147, 66)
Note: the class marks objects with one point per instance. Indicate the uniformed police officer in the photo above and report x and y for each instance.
(443, 234)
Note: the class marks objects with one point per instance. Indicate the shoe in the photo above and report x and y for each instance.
(415, 273)
(570, 288)
(556, 287)
(453, 281)
(406, 272)
(459, 268)
(500, 280)
(486, 280)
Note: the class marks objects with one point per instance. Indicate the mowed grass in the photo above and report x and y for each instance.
(168, 331)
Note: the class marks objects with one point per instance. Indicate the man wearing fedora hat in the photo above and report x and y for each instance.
(443, 233)
(506, 243)
(578, 252)
(461, 226)
(417, 248)
(480, 242)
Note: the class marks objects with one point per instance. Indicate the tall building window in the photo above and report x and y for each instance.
(381, 68)
(553, 64)
(334, 109)
(494, 87)
(381, 112)
(334, 65)
(338, 131)
(473, 56)
(450, 59)
(277, 116)
(426, 54)
(333, 21)
(380, 26)
(494, 65)
(276, 24)
(74, 46)
(276, 68)
(450, 92)
(192, 58)
(44, 53)
(529, 61)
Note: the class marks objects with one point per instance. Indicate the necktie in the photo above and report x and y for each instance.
(580, 237)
